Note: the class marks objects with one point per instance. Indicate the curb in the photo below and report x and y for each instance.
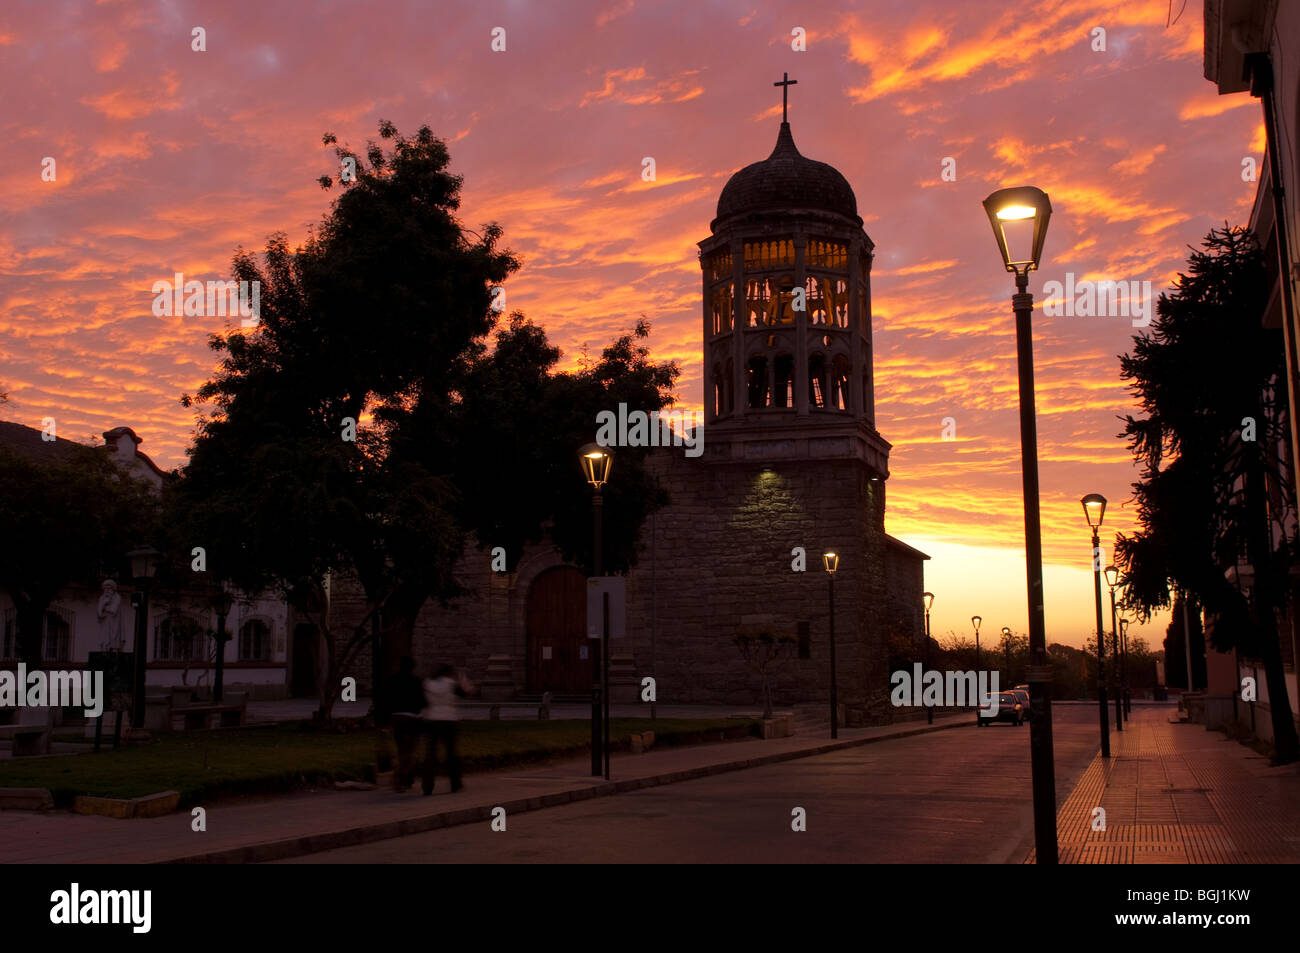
(355, 836)
(26, 799)
(151, 805)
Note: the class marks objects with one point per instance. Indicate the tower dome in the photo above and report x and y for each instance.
(787, 316)
(787, 180)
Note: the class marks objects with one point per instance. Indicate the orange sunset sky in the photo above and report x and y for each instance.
(168, 158)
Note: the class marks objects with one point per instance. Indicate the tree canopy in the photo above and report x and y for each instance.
(378, 327)
(1209, 378)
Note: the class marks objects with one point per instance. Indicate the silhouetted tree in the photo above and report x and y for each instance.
(65, 521)
(1205, 371)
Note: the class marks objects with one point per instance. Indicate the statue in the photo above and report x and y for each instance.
(109, 613)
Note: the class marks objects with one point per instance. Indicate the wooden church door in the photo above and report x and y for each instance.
(559, 656)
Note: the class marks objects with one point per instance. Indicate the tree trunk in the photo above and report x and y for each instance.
(1285, 742)
(400, 612)
(327, 685)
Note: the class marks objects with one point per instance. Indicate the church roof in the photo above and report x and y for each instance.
(787, 180)
(27, 442)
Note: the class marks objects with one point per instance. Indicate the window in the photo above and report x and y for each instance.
(815, 299)
(9, 635)
(178, 638)
(720, 265)
(840, 383)
(840, 304)
(758, 297)
(254, 641)
(722, 300)
(817, 382)
(58, 635)
(784, 383)
(768, 254)
(757, 381)
(821, 254)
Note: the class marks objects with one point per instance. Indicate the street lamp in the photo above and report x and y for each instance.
(975, 621)
(831, 561)
(1013, 214)
(1094, 508)
(927, 598)
(597, 462)
(144, 565)
(1123, 658)
(1006, 642)
(221, 602)
(1112, 580)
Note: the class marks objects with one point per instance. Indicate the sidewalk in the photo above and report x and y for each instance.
(1178, 794)
(248, 830)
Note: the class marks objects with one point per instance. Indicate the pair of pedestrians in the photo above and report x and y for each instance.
(426, 709)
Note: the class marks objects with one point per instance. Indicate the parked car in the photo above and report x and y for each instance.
(1008, 710)
(1022, 695)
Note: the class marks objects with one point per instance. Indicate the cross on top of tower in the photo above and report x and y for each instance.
(785, 84)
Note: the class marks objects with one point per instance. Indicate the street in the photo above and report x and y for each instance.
(955, 796)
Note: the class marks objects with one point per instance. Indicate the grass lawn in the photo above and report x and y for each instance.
(207, 765)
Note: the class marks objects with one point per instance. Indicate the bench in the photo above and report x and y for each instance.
(494, 708)
(202, 716)
(33, 733)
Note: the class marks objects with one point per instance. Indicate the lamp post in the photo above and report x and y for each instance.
(832, 562)
(1112, 580)
(1006, 642)
(144, 564)
(927, 598)
(596, 464)
(1019, 218)
(1123, 657)
(221, 602)
(975, 621)
(1094, 508)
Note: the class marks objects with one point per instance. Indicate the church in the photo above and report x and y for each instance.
(792, 466)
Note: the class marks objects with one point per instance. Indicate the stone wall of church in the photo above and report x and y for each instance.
(716, 561)
(905, 583)
(722, 556)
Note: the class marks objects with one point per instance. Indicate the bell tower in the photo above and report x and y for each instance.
(787, 316)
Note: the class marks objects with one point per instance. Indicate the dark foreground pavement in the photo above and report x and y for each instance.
(955, 796)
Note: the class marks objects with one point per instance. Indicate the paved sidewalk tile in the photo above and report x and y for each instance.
(1178, 794)
(325, 819)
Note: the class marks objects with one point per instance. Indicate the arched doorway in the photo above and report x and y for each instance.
(559, 657)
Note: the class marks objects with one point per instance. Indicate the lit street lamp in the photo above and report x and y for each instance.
(1006, 642)
(1112, 580)
(1094, 508)
(1123, 657)
(596, 465)
(144, 564)
(832, 563)
(975, 621)
(928, 599)
(1019, 218)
